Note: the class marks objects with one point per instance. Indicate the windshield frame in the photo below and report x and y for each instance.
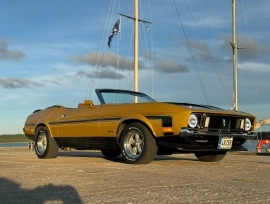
(101, 96)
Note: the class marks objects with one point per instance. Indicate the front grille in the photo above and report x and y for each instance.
(222, 123)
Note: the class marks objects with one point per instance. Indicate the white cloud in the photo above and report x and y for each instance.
(170, 66)
(210, 22)
(7, 54)
(105, 60)
(15, 83)
(255, 67)
(102, 74)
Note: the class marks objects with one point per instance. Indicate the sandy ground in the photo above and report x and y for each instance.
(87, 177)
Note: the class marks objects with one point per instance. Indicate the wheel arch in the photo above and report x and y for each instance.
(40, 125)
(127, 121)
(43, 125)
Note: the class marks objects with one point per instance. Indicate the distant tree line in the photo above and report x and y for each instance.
(13, 138)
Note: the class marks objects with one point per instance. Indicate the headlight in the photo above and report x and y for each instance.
(192, 121)
(247, 124)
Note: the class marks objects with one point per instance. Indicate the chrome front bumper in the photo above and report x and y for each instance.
(185, 132)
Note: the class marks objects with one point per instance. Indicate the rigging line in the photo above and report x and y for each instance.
(252, 52)
(101, 53)
(192, 56)
(256, 23)
(144, 45)
(262, 44)
(128, 56)
(104, 47)
(119, 6)
(99, 71)
(98, 67)
(118, 42)
(205, 47)
(231, 70)
(242, 76)
(118, 57)
(90, 83)
(152, 51)
(100, 56)
(145, 48)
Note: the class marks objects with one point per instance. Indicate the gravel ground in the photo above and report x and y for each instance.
(87, 177)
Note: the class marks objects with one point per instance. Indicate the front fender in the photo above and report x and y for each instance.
(155, 126)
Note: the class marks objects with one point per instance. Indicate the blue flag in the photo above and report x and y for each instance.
(115, 30)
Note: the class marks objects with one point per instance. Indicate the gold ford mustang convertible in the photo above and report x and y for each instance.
(136, 126)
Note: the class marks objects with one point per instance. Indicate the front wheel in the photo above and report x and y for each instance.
(45, 146)
(210, 156)
(137, 144)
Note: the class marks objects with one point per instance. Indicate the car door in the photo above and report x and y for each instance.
(111, 115)
(79, 122)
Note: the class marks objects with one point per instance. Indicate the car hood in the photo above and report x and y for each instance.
(195, 106)
(199, 107)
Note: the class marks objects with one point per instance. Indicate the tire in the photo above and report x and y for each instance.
(210, 156)
(111, 153)
(138, 146)
(45, 146)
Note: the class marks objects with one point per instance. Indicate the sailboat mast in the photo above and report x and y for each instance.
(136, 42)
(234, 46)
(136, 50)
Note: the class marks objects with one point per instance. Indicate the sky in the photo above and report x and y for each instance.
(55, 52)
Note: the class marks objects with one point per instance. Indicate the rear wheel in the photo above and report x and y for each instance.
(210, 156)
(137, 144)
(111, 152)
(45, 146)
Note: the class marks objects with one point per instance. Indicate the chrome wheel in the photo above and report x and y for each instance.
(134, 144)
(41, 144)
(45, 146)
(137, 144)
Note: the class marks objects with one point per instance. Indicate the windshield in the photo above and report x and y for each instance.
(115, 96)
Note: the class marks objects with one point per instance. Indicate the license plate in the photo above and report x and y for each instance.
(225, 143)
